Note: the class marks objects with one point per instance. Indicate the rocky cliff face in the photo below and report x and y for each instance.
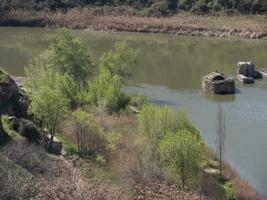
(12, 101)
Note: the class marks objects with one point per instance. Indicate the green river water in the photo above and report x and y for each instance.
(170, 73)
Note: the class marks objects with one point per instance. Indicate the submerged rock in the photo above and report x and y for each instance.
(218, 84)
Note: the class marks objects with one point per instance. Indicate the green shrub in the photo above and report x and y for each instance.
(155, 122)
(138, 100)
(106, 92)
(201, 7)
(229, 191)
(3, 76)
(181, 153)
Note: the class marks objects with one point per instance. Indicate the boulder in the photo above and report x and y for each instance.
(218, 84)
(245, 79)
(246, 68)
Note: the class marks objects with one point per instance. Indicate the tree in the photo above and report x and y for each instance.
(119, 61)
(70, 55)
(89, 138)
(181, 153)
(221, 134)
(66, 62)
(50, 107)
(106, 90)
(156, 121)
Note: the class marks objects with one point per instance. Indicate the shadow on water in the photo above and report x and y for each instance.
(220, 98)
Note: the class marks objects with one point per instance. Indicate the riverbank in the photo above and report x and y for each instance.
(250, 27)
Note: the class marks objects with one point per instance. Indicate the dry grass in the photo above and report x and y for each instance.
(243, 190)
(182, 24)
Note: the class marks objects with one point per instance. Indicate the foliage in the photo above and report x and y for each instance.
(138, 100)
(181, 153)
(89, 137)
(119, 61)
(31, 131)
(49, 106)
(64, 66)
(229, 191)
(3, 76)
(155, 123)
(106, 90)
(151, 7)
(70, 55)
(113, 138)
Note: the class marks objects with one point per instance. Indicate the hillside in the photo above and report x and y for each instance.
(148, 7)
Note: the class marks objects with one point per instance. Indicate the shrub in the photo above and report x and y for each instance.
(106, 92)
(29, 130)
(30, 157)
(155, 122)
(15, 182)
(201, 7)
(89, 137)
(138, 100)
(181, 153)
(229, 191)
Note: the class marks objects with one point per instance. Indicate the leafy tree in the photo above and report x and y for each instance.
(155, 122)
(119, 61)
(64, 66)
(181, 153)
(50, 107)
(106, 90)
(71, 56)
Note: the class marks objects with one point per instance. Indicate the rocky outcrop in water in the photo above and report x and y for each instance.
(246, 72)
(218, 84)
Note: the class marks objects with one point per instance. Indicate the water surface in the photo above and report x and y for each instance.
(170, 73)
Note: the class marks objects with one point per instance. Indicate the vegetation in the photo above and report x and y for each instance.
(64, 66)
(156, 154)
(171, 141)
(90, 140)
(50, 107)
(3, 76)
(150, 7)
(106, 90)
(182, 153)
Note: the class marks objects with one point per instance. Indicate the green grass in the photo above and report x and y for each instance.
(68, 146)
(3, 76)
(13, 135)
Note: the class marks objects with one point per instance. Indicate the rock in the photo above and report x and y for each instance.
(257, 75)
(244, 79)
(246, 68)
(218, 84)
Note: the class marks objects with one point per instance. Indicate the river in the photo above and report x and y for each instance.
(170, 73)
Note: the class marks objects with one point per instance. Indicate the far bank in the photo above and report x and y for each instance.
(239, 26)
